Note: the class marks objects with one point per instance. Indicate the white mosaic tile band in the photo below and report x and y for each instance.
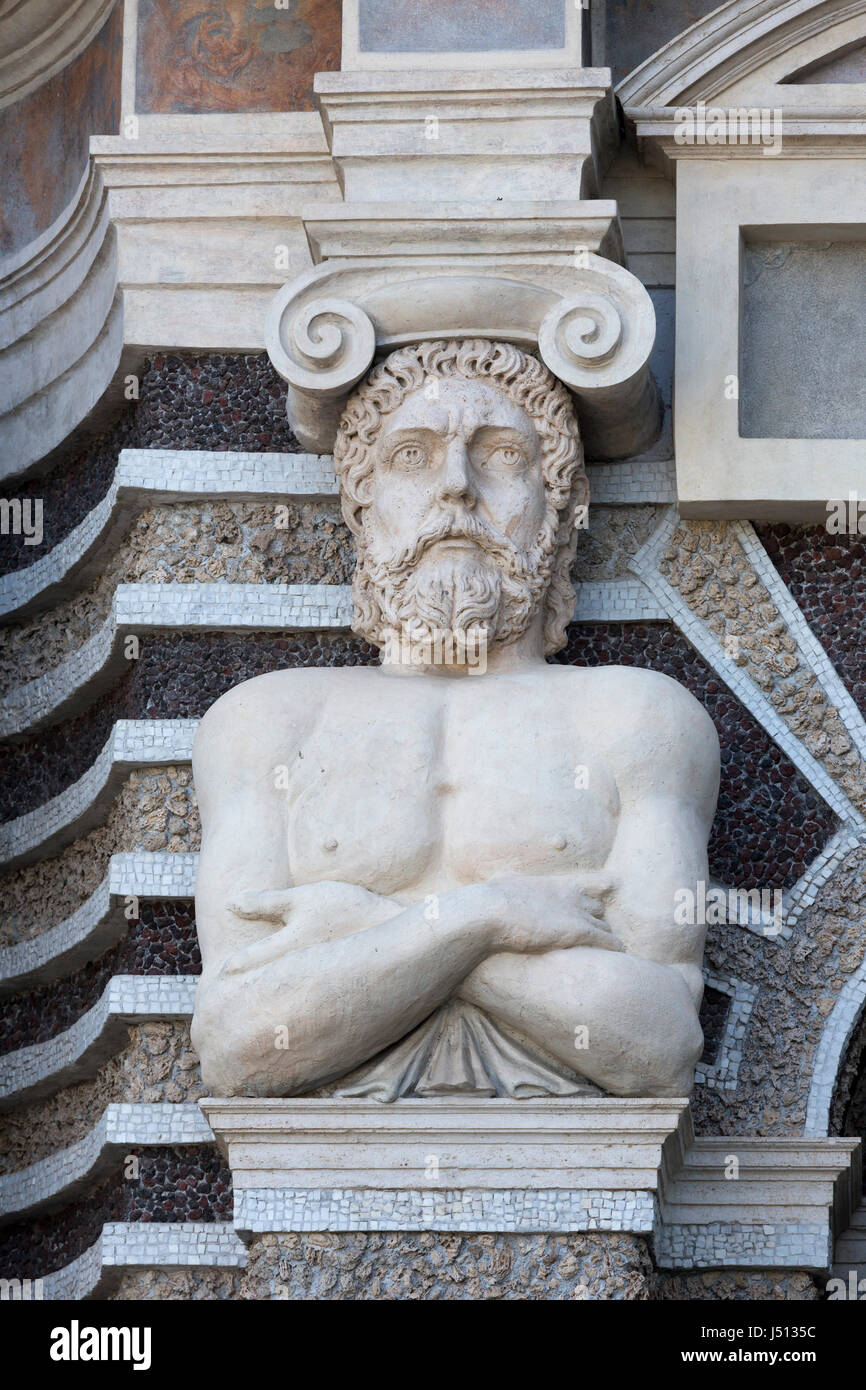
(100, 922)
(123, 1126)
(725, 1069)
(617, 601)
(831, 1049)
(645, 564)
(147, 478)
(127, 1245)
(76, 1053)
(766, 1245)
(446, 1209)
(150, 477)
(139, 608)
(819, 872)
(636, 482)
(133, 743)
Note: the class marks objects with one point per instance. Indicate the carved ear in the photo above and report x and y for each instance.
(580, 491)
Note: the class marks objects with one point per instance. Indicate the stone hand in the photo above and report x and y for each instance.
(279, 904)
(550, 912)
(307, 914)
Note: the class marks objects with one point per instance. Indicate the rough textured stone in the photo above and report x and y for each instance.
(159, 1064)
(209, 401)
(769, 822)
(826, 574)
(708, 566)
(798, 982)
(430, 1265)
(771, 1285)
(144, 816)
(237, 542)
(177, 675)
(162, 941)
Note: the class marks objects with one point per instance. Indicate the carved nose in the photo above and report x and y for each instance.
(456, 484)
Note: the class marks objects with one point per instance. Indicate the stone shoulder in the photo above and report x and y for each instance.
(240, 721)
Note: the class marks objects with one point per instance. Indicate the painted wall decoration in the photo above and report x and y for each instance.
(44, 137)
(233, 55)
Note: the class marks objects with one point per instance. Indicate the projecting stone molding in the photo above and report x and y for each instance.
(129, 1245)
(61, 330)
(41, 37)
(149, 477)
(133, 744)
(100, 922)
(75, 1054)
(538, 1165)
(124, 1125)
(141, 608)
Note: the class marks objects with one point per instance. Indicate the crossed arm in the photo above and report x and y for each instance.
(301, 984)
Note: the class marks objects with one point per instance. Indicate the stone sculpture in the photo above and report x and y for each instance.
(455, 873)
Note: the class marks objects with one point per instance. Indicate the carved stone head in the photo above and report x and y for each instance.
(462, 479)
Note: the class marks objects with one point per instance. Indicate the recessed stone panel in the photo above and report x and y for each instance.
(803, 346)
(392, 26)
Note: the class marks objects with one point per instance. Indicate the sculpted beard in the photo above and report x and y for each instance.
(458, 592)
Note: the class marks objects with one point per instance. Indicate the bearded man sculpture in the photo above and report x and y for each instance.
(453, 875)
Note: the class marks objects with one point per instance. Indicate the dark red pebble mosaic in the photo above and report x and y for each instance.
(216, 402)
(172, 1184)
(826, 575)
(769, 824)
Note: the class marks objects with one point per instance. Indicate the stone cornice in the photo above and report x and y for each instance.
(484, 133)
(567, 1165)
(733, 42)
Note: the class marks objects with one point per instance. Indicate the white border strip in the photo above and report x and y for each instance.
(100, 922)
(123, 1125)
(76, 1053)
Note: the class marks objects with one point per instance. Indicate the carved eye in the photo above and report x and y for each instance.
(507, 457)
(408, 457)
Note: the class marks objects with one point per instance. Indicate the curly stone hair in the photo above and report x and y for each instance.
(528, 383)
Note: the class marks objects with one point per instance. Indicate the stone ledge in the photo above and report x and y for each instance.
(100, 921)
(138, 609)
(76, 1054)
(152, 477)
(538, 1165)
(133, 743)
(61, 1176)
(125, 1245)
